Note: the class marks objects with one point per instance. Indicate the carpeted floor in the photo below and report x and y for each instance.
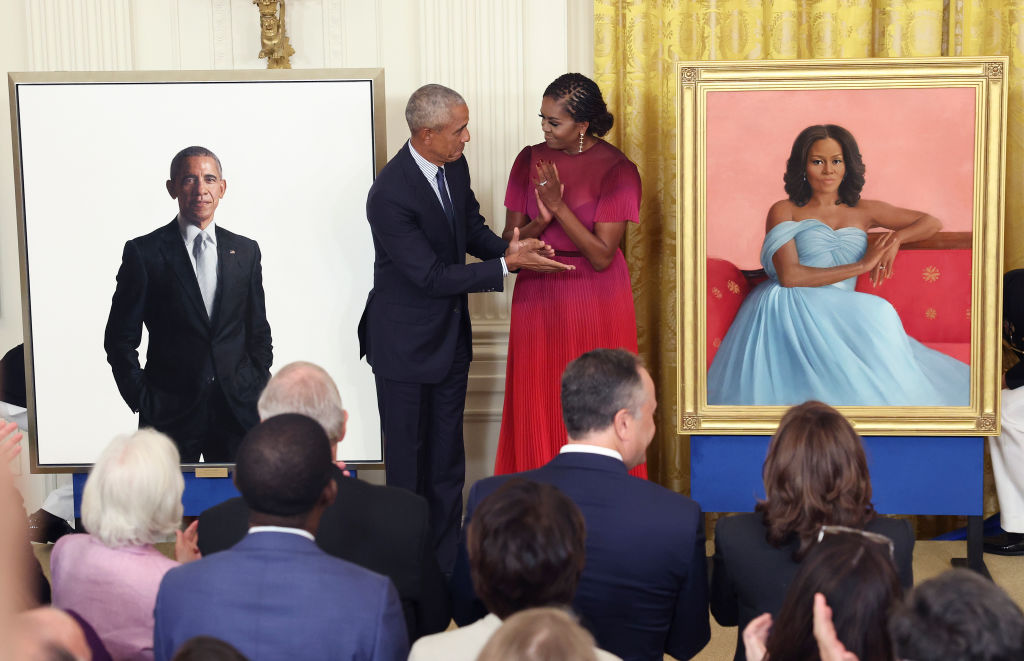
(930, 559)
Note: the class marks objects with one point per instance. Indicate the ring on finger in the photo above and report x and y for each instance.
(542, 183)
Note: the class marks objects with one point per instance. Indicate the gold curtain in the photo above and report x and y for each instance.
(636, 44)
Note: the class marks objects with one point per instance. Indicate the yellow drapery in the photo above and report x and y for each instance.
(636, 44)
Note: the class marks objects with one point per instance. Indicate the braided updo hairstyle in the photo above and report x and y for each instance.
(583, 101)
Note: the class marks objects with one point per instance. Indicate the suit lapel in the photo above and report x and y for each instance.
(177, 256)
(228, 271)
(458, 185)
(437, 219)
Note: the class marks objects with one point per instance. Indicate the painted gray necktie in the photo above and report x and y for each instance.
(206, 269)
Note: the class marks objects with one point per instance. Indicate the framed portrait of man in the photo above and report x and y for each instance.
(840, 228)
(129, 317)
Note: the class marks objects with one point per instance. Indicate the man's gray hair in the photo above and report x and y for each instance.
(305, 388)
(133, 494)
(430, 107)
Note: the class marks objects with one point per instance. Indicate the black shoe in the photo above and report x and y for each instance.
(44, 527)
(1010, 543)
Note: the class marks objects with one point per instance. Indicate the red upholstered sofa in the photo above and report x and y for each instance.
(930, 289)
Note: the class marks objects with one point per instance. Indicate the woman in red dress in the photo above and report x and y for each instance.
(576, 192)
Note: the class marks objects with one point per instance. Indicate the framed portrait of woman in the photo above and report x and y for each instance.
(840, 238)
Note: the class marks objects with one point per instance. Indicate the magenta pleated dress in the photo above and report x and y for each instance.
(556, 317)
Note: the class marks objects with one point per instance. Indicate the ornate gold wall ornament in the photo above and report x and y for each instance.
(987, 423)
(995, 70)
(689, 75)
(275, 46)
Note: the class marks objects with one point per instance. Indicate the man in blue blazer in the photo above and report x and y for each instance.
(415, 330)
(644, 590)
(275, 595)
(383, 529)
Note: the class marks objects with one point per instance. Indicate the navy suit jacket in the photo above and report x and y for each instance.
(418, 306)
(383, 529)
(157, 286)
(644, 589)
(274, 596)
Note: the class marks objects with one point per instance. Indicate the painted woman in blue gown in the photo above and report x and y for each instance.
(805, 333)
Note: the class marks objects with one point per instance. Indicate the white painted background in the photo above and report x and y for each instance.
(500, 54)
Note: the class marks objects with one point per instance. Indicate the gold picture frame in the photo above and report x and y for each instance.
(730, 113)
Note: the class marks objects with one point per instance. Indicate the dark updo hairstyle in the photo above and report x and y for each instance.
(860, 584)
(797, 188)
(583, 101)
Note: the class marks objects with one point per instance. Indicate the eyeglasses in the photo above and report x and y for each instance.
(870, 536)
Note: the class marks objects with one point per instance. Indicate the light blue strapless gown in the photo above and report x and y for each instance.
(846, 348)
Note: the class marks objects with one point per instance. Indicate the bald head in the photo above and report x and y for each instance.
(307, 389)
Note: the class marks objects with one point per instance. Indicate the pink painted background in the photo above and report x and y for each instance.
(917, 146)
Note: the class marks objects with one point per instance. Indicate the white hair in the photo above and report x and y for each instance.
(133, 494)
(430, 107)
(305, 388)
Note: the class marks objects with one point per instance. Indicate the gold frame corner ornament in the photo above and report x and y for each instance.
(696, 79)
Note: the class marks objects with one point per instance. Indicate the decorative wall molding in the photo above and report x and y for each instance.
(69, 35)
(223, 53)
(333, 33)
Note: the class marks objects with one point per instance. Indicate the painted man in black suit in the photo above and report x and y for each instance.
(198, 289)
(382, 529)
(415, 330)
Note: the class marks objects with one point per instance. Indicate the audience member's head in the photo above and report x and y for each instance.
(133, 494)
(540, 634)
(608, 399)
(283, 469)
(856, 574)
(48, 634)
(815, 474)
(526, 547)
(207, 648)
(958, 616)
(305, 388)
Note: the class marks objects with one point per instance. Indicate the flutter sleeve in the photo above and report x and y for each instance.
(519, 188)
(620, 194)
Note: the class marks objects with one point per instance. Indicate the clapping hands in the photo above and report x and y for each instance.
(10, 441)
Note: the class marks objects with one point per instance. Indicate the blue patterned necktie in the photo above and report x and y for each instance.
(446, 201)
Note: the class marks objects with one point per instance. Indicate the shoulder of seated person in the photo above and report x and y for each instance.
(381, 493)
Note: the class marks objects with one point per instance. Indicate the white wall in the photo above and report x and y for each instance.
(499, 54)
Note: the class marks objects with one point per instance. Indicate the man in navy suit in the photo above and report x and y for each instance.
(198, 289)
(275, 594)
(644, 590)
(415, 330)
